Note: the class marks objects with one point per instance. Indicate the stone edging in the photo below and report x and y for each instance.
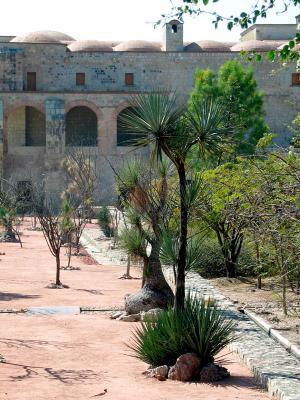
(291, 348)
(273, 367)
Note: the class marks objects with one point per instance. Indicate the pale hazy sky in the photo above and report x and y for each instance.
(117, 19)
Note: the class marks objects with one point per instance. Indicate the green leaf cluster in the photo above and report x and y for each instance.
(200, 328)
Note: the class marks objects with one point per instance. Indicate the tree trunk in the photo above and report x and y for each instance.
(69, 254)
(155, 293)
(57, 280)
(230, 268)
(9, 234)
(181, 267)
(77, 244)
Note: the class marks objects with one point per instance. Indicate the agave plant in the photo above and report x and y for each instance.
(200, 328)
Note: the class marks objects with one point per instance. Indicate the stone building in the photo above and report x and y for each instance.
(57, 93)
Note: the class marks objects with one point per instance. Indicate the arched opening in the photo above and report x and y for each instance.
(26, 127)
(124, 136)
(81, 127)
(174, 28)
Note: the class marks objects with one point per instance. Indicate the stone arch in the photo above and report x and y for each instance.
(124, 136)
(81, 125)
(25, 125)
(84, 103)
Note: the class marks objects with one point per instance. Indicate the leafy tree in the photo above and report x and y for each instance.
(236, 89)
(295, 140)
(278, 178)
(105, 221)
(174, 131)
(222, 205)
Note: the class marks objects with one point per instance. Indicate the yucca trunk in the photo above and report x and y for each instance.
(156, 292)
(182, 254)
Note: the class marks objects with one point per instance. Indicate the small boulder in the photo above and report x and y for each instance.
(129, 318)
(186, 368)
(116, 314)
(213, 373)
(151, 315)
(160, 373)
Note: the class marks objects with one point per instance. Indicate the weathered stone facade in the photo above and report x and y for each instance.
(82, 81)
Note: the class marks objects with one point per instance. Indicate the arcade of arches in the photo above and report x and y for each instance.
(27, 127)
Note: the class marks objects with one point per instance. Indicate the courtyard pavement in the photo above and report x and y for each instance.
(82, 356)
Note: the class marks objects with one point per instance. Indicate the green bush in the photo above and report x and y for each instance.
(199, 328)
(211, 263)
(105, 221)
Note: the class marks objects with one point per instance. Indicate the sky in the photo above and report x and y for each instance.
(120, 19)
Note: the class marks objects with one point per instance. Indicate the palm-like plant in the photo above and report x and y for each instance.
(143, 192)
(174, 130)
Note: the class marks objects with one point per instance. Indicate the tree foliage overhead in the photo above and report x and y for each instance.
(248, 17)
(236, 89)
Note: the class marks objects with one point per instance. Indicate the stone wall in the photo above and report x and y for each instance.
(106, 95)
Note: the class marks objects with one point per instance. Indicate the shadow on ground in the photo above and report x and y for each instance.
(5, 296)
(66, 376)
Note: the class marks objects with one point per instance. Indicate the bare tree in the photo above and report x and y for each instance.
(10, 201)
(52, 226)
(80, 168)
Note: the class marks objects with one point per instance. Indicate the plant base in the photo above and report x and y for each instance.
(148, 299)
(55, 286)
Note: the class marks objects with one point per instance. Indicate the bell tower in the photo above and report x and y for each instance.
(173, 36)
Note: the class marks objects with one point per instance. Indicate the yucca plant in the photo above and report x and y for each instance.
(200, 328)
(174, 131)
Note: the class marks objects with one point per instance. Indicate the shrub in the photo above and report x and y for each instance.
(200, 328)
(211, 262)
(105, 221)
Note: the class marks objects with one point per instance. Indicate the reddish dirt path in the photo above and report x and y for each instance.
(78, 356)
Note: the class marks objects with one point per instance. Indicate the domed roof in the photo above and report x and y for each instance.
(43, 37)
(213, 45)
(206, 45)
(138, 45)
(260, 45)
(90, 45)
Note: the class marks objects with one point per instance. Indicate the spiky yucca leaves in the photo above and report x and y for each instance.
(200, 328)
(174, 131)
(144, 195)
(133, 241)
(170, 247)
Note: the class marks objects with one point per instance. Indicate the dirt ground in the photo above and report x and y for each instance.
(82, 356)
(265, 302)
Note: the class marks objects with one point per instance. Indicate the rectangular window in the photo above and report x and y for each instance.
(129, 79)
(296, 79)
(31, 81)
(80, 79)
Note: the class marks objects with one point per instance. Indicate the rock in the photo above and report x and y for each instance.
(151, 315)
(147, 299)
(213, 373)
(160, 373)
(187, 367)
(129, 318)
(116, 315)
